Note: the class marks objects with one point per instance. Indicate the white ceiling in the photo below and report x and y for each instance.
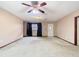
(55, 10)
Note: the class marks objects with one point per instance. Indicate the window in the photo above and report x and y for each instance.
(34, 27)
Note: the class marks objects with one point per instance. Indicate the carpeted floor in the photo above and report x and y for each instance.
(40, 47)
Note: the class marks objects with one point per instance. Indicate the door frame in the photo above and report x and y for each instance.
(75, 30)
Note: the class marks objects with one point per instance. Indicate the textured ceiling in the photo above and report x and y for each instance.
(55, 10)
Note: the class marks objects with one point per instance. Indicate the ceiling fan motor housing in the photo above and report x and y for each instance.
(34, 2)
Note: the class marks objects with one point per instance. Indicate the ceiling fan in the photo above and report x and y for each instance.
(35, 5)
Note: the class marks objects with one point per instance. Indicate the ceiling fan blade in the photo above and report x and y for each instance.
(41, 11)
(43, 4)
(26, 4)
(29, 11)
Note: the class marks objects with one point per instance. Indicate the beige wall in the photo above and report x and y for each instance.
(44, 28)
(11, 27)
(24, 28)
(64, 28)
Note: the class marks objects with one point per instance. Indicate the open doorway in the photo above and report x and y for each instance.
(34, 29)
(76, 27)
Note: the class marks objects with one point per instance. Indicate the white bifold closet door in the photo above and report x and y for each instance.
(78, 31)
(50, 30)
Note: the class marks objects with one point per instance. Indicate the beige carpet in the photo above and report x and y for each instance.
(40, 47)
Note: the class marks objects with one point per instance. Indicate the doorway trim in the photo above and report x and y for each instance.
(75, 30)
